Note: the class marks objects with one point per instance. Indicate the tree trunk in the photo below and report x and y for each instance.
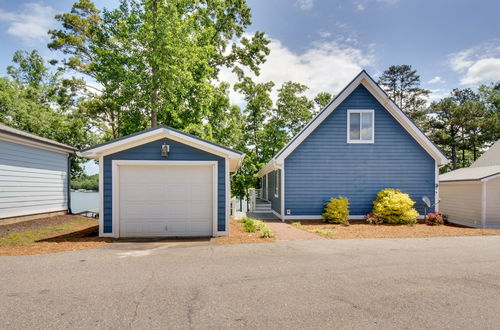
(454, 157)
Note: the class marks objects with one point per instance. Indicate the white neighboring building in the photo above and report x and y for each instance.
(471, 196)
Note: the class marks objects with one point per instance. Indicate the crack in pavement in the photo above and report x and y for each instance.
(142, 294)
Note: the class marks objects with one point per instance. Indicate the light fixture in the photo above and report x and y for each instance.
(165, 149)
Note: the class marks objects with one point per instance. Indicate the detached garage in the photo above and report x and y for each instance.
(471, 196)
(164, 183)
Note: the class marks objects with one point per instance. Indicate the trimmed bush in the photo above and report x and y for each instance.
(394, 207)
(337, 211)
(435, 219)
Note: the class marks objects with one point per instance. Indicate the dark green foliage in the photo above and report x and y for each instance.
(87, 182)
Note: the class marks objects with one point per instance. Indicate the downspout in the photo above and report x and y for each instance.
(68, 181)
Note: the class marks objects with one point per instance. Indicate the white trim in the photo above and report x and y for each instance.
(483, 204)
(153, 135)
(436, 187)
(460, 182)
(267, 186)
(276, 214)
(101, 200)
(33, 144)
(115, 181)
(490, 177)
(360, 141)
(228, 201)
(282, 182)
(364, 79)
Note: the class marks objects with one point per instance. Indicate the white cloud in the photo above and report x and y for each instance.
(324, 34)
(325, 67)
(30, 23)
(360, 5)
(438, 94)
(305, 4)
(477, 64)
(435, 80)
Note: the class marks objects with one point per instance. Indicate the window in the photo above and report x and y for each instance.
(276, 183)
(360, 126)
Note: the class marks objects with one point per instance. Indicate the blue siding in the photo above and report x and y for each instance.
(32, 180)
(151, 151)
(324, 165)
(275, 201)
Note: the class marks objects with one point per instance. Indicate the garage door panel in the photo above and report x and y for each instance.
(165, 200)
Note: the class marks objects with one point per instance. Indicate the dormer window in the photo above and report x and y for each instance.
(360, 126)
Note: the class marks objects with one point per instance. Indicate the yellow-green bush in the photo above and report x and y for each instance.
(337, 211)
(395, 207)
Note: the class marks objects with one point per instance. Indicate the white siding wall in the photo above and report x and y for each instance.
(32, 180)
(493, 203)
(461, 202)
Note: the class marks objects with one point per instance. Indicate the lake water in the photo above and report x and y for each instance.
(84, 201)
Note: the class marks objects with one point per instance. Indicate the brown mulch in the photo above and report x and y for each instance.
(81, 236)
(420, 230)
(238, 236)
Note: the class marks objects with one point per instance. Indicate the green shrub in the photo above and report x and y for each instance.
(266, 232)
(250, 226)
(296, 224)
(394, 207)
(337, 211)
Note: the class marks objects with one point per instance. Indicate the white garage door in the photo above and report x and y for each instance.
(165, 200)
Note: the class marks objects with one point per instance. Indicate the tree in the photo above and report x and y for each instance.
(402, 84)
(293, 108)
(157, 61)
(38, 101)
(322, 99)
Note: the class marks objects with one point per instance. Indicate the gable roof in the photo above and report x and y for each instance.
(155, 133)
(490, 157)
(17, 135)
(484, 168)
(483, 173)
(363, 78)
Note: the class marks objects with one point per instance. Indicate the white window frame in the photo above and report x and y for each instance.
(349, 112)
(276, 187)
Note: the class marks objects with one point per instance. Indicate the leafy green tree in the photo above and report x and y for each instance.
(322, 99)
(157, 60)
(402, 84)
(38, 101)
(293, 108)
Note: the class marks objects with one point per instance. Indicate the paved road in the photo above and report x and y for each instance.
(384, 283)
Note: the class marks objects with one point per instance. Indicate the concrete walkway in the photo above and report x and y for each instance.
(286, 232)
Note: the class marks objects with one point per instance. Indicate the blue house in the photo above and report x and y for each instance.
(163, 182)
(360, 143)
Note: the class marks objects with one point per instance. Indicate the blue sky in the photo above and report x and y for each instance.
(324, 43)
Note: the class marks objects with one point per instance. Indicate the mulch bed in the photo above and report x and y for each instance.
(81, 236)
(363, 230)
(238, 236)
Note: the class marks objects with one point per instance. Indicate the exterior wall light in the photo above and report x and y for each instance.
(165, 149)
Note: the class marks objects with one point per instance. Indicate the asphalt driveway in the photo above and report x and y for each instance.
(372, 283)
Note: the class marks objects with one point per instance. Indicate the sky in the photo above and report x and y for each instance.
(325, 43)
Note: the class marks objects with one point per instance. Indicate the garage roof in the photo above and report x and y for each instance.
(484, 168)
(152, 134)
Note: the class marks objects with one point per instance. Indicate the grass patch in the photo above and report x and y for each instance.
(29, 237)
(296, 224)
(324, 232)
(254, 225)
